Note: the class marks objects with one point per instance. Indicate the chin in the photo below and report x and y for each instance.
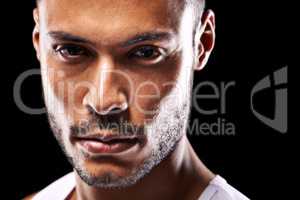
(108, 175)
(108, 172)
(113, 169)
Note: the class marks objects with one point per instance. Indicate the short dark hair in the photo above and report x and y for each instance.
(198, 8)
(197, 5)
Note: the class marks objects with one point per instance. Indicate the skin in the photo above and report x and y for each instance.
(102, 70)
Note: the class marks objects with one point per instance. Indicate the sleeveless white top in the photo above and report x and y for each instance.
(218, 189)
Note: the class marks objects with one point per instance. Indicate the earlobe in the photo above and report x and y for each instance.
(36, 33)
(207, 39)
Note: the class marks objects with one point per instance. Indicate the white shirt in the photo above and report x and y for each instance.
(218, 189)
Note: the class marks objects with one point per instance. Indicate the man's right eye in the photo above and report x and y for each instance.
(71, 52)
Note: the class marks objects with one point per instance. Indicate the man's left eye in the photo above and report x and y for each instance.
(147, 52)
(71, 51)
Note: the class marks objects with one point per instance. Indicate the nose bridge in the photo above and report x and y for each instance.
(106, 84)
(108, 94)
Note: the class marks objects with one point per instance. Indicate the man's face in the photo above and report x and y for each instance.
(117, 78)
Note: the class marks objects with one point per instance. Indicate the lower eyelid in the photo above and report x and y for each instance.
(154, 61)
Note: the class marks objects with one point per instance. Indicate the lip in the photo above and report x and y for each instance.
(107, 138)
(111, 144)
(112, 147)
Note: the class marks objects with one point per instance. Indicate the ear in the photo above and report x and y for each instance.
(205, 39)
(36, 33)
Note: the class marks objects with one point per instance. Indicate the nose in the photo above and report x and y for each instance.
(107, 95)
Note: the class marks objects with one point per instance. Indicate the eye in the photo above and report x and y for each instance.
(146, 53)
(71, 52)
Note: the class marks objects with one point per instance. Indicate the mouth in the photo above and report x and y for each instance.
(108, 144)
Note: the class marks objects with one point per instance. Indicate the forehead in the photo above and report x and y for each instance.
(107, 18)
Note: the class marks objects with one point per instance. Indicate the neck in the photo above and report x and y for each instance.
(180, 176)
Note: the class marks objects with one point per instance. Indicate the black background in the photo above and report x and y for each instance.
(253, 40)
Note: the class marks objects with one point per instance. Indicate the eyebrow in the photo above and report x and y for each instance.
(147, 36)
(61, 35)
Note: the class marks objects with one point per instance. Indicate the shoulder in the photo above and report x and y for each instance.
(29, 197)
(57, 190)
(219, 189)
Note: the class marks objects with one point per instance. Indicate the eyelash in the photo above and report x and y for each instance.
(60, 48)
(159, 52)
(155, 50)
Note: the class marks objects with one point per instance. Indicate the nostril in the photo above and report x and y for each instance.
(106, 106)
(113, 109)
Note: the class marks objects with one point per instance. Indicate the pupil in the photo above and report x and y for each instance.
(147, 52)
(74, 51)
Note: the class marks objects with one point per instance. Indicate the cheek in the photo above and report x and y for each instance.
(72, 93)
(152, 87)
(63, 95)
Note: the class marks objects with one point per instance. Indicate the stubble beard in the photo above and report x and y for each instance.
(164, 133)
